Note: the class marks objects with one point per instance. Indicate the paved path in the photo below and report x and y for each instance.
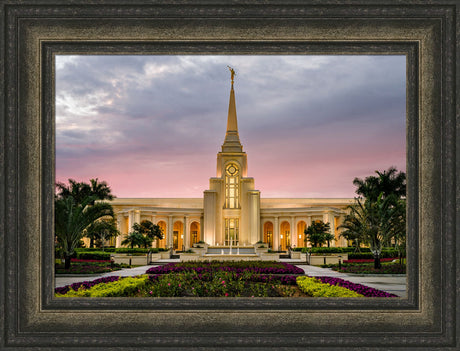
(395, 284)
(391, 284)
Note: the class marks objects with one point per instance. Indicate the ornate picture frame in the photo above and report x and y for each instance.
(34, 32)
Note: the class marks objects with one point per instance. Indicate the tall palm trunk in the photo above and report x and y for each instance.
(377, 264)
(67, 258)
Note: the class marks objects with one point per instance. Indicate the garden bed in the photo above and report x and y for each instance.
(232, 279)
(79, 266)
(368, 268)
(259, 267)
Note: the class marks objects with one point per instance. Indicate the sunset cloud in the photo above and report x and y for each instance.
(151, 125)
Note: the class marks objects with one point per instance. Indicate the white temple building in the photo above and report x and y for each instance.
(231, 209)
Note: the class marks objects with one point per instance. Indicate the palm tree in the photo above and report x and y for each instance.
(100, 189)
(81, 190)
(386, 183)
(318, 233)
(72, 218)
(375, 223)
(135, 238)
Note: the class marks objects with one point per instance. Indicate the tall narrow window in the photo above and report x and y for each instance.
(232, 230)
(232, 186)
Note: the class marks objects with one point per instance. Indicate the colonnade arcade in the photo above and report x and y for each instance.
(281, 231)
(180, 231)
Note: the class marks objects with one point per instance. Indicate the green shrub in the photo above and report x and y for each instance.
(124, 287)
(93, 255)
(93, 249)
(369, 255)
(316, 288)
(136, 250)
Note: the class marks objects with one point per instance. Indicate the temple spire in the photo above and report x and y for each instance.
(232, 139)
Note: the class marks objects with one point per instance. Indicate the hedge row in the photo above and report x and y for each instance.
(369, 255)
(121, 249)
(124, 287)
(364, 251)
(92, 254)
(316, 288)
(96, 255)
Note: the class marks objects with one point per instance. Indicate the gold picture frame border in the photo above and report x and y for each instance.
(34, 319)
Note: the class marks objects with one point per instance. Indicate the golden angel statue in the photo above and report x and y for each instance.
(232, 72)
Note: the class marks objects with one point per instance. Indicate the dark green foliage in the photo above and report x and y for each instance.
(380, 216)
(149, 229)
(389, 182)
(370, 255)
(143, 234)
(136, 239)
(76, 209)
(79, 191)
(318, 233)
(97, 255)
(102, 230)
(71, 220)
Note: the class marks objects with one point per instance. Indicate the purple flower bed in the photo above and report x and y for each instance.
(360, 289)
(85, 284)
(208, 268)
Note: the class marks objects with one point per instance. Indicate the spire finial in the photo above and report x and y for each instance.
(232, 72)
(232, 140)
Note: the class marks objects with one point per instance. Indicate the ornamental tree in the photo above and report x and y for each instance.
(73, 218)
(318, 233)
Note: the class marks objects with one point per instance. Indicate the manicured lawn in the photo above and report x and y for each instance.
(219, 279)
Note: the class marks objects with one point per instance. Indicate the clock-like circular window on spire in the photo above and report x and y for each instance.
(232, 169)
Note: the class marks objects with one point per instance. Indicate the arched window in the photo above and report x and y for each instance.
(232, 186)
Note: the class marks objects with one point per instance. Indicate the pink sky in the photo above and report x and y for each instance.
(151, 126)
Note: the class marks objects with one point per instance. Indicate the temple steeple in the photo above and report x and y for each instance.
(232, 139)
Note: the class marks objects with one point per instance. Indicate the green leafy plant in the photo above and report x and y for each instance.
(316, 288)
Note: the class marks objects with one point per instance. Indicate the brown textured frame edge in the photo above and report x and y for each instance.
(27, 324)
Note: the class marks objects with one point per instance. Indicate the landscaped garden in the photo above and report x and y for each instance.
(220, 279)
(87, 266)
(363, 266)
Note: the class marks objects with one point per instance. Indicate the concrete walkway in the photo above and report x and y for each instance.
(392, 284)
(395, 284)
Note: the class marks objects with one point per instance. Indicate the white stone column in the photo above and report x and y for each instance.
(326, 217)
(276, 234)
(307, 224)
(120, 237)
(130, 220)
(169, 229)
(254, 216)
(186, 240)
(137, 216)
(332, 222)
(201, 227)
(340, 240)
(293, 232)
(209, 227)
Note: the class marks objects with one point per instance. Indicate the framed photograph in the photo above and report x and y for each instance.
(36, 33)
